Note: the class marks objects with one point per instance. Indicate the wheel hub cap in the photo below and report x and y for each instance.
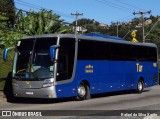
(140, 86)
(81, 91)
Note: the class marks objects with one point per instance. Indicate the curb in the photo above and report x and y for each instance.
(2, 97)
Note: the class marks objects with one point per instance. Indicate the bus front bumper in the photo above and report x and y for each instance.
(48, 92)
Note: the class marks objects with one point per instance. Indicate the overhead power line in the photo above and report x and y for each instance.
(114, 5)
(123, 6)
(27, 4)
(32, 5)
(44, 17)
(129, 5)
(118, 5)
(35, 14)
(124, 18)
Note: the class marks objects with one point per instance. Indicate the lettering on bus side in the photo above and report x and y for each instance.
(139, 67)
(89, 69)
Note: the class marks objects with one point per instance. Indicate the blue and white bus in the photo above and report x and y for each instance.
(65, 65)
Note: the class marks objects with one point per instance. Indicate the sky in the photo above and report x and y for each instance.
(103, 11)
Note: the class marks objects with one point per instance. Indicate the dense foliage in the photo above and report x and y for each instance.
(18, 23)
(125, 29)
(7, 9)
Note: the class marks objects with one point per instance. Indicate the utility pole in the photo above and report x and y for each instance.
(76, 14)
(142, 18)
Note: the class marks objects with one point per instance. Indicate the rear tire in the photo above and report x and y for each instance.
(83, 92)
(140, 86)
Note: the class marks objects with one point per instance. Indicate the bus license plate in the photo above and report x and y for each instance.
(29, 93)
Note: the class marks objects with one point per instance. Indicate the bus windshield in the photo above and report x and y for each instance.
(32, 59)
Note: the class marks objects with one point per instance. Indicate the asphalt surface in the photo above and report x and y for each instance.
(121, 105)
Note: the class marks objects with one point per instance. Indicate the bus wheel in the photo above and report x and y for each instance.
(83, 92)
(140, 86)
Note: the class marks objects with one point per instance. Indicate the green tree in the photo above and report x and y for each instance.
(125, 29)
(39, 23)
(8, 36)
(8, 7)
(3, 29)
(91, 26)
(153, 36)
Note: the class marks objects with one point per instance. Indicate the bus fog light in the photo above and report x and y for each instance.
(15, 84)
(47, 84)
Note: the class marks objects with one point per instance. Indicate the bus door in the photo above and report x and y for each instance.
(62, 72)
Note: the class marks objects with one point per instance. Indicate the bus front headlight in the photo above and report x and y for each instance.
(47, 84)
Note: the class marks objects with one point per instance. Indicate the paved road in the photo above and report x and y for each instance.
(99, 105)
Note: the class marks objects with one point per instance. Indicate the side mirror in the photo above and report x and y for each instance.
(53, 51)
(5, 52)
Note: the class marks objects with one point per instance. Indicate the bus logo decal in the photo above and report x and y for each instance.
(89, 68)
(139, 67)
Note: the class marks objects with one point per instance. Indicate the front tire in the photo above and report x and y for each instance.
(83, 92)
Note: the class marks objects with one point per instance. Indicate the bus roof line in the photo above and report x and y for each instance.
(90, 38)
